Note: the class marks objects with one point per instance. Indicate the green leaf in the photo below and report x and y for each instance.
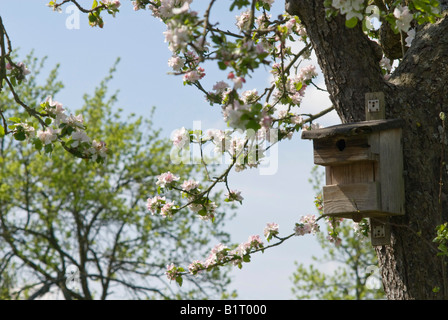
(222, 65)
(92, 18)
(2, 131)
(15, 119)
(218, 39)
(20, 135)
(257, 107)
(38, 144)
(253, 124)
(239, 4)
(179, 280)
(351, 23)
(48, 148)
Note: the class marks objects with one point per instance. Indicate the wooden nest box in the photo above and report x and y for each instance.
(364, 168)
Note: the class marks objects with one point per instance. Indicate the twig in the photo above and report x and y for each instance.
(206, 22)
(79, 6)
(30, 111)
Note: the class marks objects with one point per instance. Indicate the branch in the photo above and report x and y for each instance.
(30, 111)
(56, 6)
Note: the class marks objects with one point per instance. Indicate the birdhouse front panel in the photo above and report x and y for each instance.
(339, 150)
(353, 201)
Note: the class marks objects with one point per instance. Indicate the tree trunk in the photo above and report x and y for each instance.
(417, 92)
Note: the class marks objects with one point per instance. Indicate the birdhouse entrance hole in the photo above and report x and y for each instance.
(341, 144)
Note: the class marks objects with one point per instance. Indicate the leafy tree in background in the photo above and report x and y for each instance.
(347, 247)
(355, 275)
(81, 230)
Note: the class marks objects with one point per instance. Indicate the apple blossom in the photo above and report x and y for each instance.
(403, 18)
(242, 21)
(195, 267)
(113, 4)
(27, 128)
(189, 185)
(266, 123)
(176, 62)
(23, 69)
(410, 37)
(336, 240)
(351, 8)
(232, 115)
(177, 35)
(18, 71)
(181, 138)
(74, 121)
(220, 86)
(217, 254)
(385, 64)
(171, 272)
(167, 209)
(306, 224)
(138, 4)
(236, 147)
(255, 242)
(98, 148)
(263, 20)
(195, 207)
(55, 110)
(238, 82)
(270, 230)
(250, 96)
(57, 106)
(221, 139)
(207, 211)
(296, 119)
(168, 8)
(290, 24)
(234, 195)
(79, 137)
(155, 204)
(282, 114)
(47, 136)
(307, 73)
(194, 75)
(166, 179)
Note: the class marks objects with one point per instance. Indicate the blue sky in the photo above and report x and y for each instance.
(85, 56)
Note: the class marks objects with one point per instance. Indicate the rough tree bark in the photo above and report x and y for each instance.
(417, 92)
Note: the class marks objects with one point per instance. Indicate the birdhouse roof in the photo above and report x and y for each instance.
(352, 129)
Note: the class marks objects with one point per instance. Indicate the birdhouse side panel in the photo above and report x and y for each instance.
(391, 172)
